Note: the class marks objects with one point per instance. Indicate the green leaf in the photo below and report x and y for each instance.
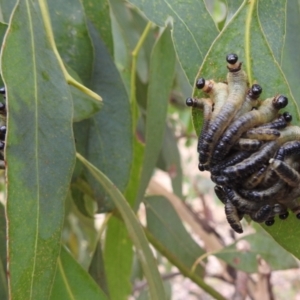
(285, 233)
(97, 269)
(170, 160)
(39, 153)
(274, 29)
(98, 12)
(160, 82)
(72, 37)
(84, 105)
(165, 225)
(6, 9)
(3, 279)
(118, 254)
(246, 39)
(258, 244)
(290, 61)
(135, 231)
(73, 282)
(192, 39)
(109, 134)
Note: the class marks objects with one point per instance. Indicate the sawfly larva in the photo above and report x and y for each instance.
(253, 163)
(264, 134)
(288, 149)
(233, 159)
(266, 112)
(247, 144)
(285, 172)
(218, 93)
(255, 179)
(237, 86)
(250, 101)
(233, 217)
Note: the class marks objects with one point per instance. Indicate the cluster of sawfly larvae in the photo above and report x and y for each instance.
(2, 127)
(250, 148)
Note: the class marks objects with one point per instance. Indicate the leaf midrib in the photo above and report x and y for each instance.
(36, 142)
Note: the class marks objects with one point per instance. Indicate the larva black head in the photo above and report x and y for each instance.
(284, 215)
(256, 89)
(2, 107)
(2, 145)
(201, 167)
(2, 90)
(298, 215)
(189, 101)
(3, 129)
(200, 83)
(280, 102)
(232, 58)
(287, 116)
(270, 222)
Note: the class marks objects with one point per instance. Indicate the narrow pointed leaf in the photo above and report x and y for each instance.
(118, 254)
(98, 12)
(135, 231)
(3, 259)
(72, 282)
(97, 269)
(160, 82)
(72, 37)
(39, 153)
(193, 33)
(109, 134)
(259, 244)
(165, 225)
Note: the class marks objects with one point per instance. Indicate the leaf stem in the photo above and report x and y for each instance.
(134, 54)
(50, 36)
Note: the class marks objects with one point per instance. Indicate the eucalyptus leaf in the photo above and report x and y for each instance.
(3, 258)
(193, 32)
(108, 133)
(165, 225)
(72, 37)
(40, 152)
(98, 12)
(160, 82)
(73, 282)
(134, 229)
(258, 244)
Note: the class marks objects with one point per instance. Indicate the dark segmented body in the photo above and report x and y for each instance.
(264, 134)
(287, 149)
(247, 144)
(233, 217)
(265, 113)
(255, 179)
(253, 163)
(285, 172)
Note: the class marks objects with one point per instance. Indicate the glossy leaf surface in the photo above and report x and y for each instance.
(39, 152)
